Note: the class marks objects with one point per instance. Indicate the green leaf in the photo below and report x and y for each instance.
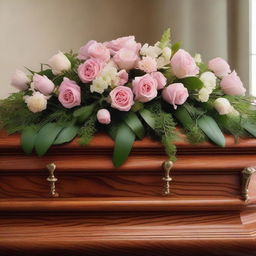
(47, 72)
(83, 113)
(27, 139)
(148, 117)
(184, 117)
(175, 47)
(249, 127)
(192, 83)
(123, 144)
(165, 39)
(45, 137)
(212, 130)
(66, 135)
(203, 67)
(132, 120)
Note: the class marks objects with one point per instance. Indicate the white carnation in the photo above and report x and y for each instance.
(99, 85)
(162, 61)
(209, 80)
(37, 102)
(150, 51)
(223, 106)
(203, 94)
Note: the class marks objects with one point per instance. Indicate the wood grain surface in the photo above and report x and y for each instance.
(102, 210)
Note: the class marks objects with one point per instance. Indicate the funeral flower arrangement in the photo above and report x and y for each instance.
(129, 90)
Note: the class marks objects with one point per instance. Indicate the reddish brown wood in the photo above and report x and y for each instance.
(106, 211)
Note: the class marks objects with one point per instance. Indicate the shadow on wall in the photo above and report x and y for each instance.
(37, 29)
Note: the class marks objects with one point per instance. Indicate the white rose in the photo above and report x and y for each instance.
(223, 106)
(37, 102)
(203, 94)
(198, 58)
(150, 51)
(209, 80)
(20, 80)
(167, 53)
(99, 85)
(59, 63)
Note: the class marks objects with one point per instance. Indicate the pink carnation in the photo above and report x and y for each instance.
(148, 64)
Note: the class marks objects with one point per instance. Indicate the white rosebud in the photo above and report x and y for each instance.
(59, 63)
(167, 53)
(203, 94)
(209, 80)
(37, 102)
(198, 58)
(99, 85)
(19, 80)
(223, 106)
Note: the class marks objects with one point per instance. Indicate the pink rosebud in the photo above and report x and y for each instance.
(19, 80)
(69, 93)
(183, 65)
(160, 78)
(122, 77)
(103, 116)
(127, 42)
(175, 94)
(144, 88)
(126, 59)
(219, 66)
(83, 51)
(232, 84)
(121, 98)
(148, 64)
(43, 84)
(89, 70)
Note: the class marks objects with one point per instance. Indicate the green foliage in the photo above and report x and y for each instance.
(124, 140)
(14, 114)
(165, 130)
(191, 83)
(87, 131)
(67, 134)
(165, 39)
(175, 47)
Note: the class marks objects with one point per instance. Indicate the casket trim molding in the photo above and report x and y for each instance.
(246, 179)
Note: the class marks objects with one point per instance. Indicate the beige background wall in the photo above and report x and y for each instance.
(33, 30)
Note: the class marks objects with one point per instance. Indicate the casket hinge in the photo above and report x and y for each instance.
(52, 179)
(167, 166)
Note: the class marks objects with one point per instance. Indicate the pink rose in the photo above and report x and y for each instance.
(183, 65)
(122, 77)
(121, 98)
(99, 51)
(89, 70)
(144, 88)
(43, 84)
(103, 116)
(148, 64)
(219, 66)
(126, 59)
(175, 94)
(69, 93)
(127, 42)
(160, 78)
(83, 51)
(232, 84)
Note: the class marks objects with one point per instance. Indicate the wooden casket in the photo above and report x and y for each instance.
(206, 205)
